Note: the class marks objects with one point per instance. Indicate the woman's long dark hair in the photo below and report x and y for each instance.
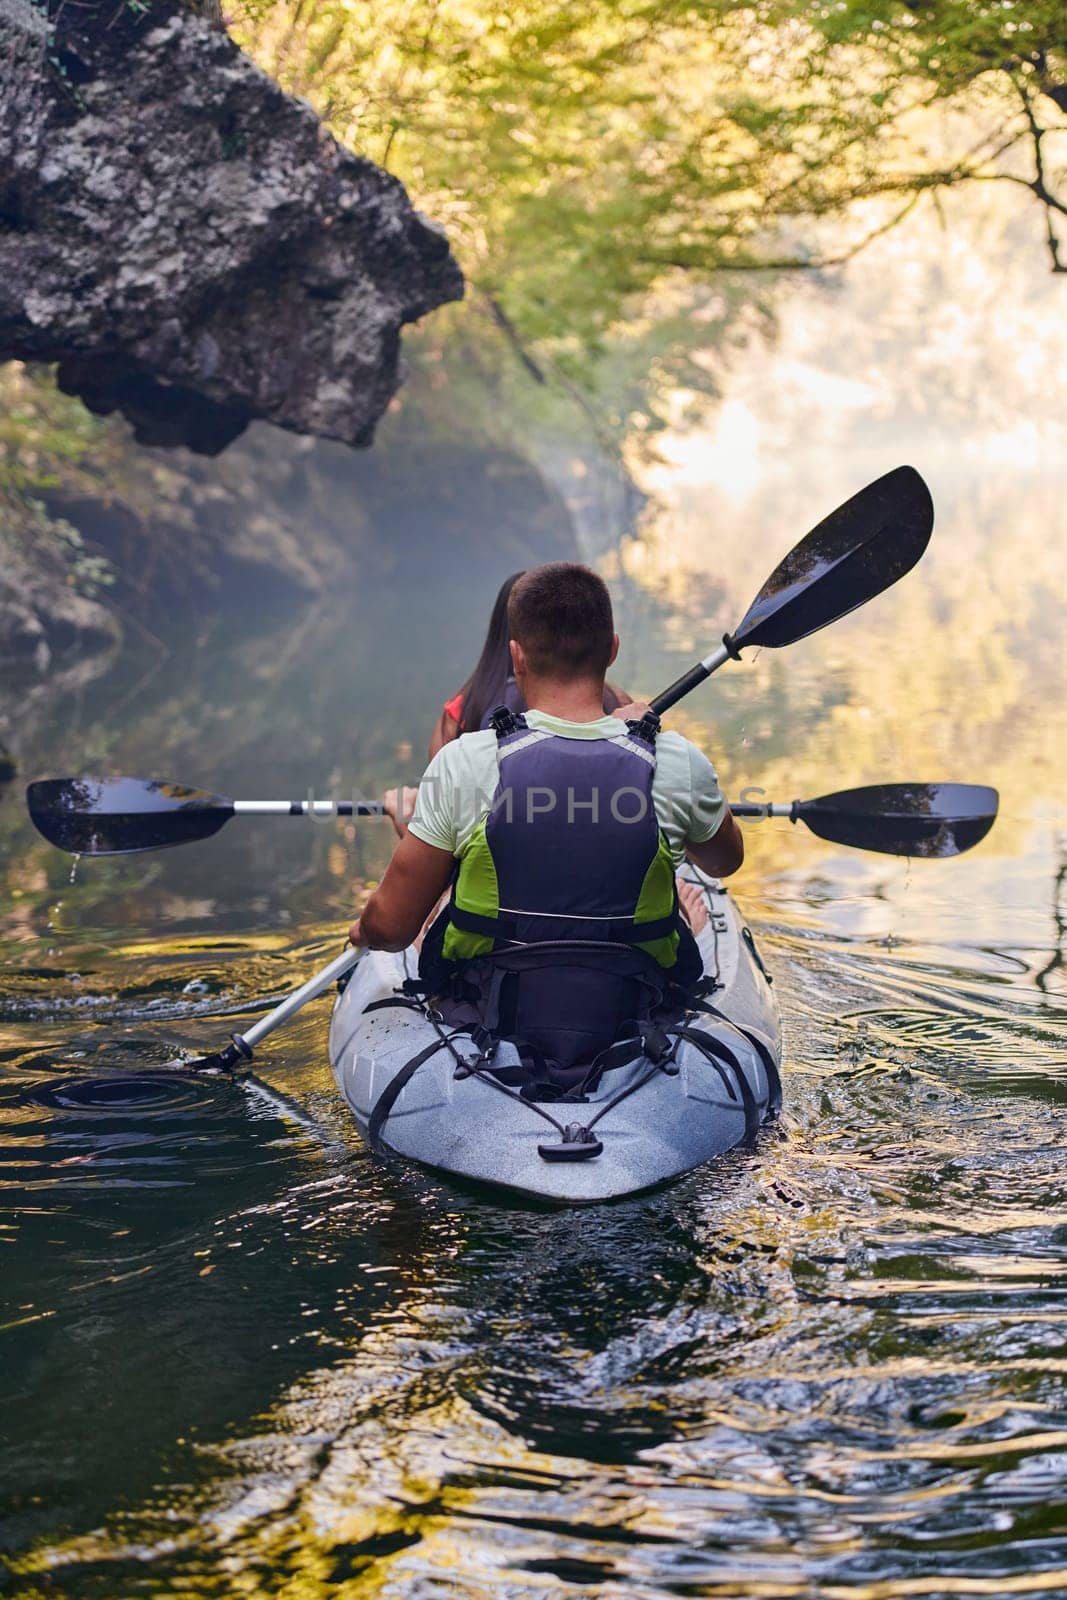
(484, 689)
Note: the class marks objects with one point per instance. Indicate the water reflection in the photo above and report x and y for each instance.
(821, 1366)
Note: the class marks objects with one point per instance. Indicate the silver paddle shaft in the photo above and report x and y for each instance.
(373, 808)
(300, 997)
(305, 808)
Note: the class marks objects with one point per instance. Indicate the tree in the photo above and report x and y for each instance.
(898, 99)
(578, 152)
(552, 139)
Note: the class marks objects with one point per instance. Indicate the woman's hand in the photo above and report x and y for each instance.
(355, 934)
(632, 712)
(399, 806)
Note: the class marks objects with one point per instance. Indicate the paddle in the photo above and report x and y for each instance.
(854, 554)
(858, 551)
(116, 816)
(908, 819)
(904, 819)
(897, 819)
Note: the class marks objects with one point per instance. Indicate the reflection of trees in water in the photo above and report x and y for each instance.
(955, 674)
(1055, 962)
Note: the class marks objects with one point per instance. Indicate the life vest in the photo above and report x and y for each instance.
(569, 848)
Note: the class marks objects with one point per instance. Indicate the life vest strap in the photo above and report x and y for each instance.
(611, 930)
(646, 728)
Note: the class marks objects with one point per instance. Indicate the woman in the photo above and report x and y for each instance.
(491, 684)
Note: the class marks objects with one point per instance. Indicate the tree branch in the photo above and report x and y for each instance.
(792, 263)
(1038, 184)
(511, 334)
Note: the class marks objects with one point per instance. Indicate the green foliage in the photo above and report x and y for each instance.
(577, 152)
(41, 431)
(574, 152)
(898, 98)
(49, 441)
(619, 181)
(89, 573)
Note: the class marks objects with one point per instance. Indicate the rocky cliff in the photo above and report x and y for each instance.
(188, 243)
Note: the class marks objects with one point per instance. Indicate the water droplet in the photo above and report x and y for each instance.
(74, 868)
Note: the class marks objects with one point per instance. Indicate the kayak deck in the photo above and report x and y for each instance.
(651, 1122)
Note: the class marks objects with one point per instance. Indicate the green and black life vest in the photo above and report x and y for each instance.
(569, 848)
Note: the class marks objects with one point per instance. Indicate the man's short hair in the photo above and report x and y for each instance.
(561, 615)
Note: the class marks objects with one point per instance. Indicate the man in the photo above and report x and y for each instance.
(565, 827)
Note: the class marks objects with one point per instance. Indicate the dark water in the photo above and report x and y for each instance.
(240, 1357)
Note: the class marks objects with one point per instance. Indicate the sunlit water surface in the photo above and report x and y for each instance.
(242, 1356)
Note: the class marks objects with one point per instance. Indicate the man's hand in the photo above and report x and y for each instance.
(399, 806)
(632, 712)
(355, 935)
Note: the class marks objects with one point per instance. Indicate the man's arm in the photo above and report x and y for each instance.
(414, 881)
(723, 853)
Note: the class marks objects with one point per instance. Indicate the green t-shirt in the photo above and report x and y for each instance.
(458, 785)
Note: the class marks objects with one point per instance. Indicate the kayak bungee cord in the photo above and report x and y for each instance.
(637, 1124)
(576, 1138)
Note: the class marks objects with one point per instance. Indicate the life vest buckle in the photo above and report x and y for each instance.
(504, 721)
(646, 728)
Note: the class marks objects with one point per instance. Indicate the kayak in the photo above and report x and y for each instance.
(645, 1121)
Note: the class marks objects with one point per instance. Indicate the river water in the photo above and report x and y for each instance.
(241, 1357)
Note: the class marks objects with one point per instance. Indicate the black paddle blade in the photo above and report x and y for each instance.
(115, 816)
(904, 819)
(860, 549)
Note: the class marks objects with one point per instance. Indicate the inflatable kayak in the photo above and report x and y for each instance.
(420, 1089)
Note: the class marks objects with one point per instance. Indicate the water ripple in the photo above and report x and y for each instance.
(831, 1367)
